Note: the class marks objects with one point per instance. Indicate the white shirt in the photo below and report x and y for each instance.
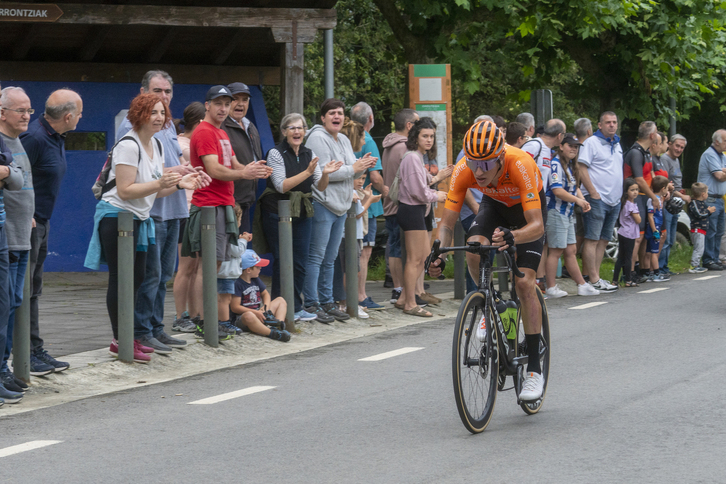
(127, 153)
(542, 154)
(605, 166)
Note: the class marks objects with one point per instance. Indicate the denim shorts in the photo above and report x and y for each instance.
(560, 230)
(599, 222)
(225, 286)
(369, 239)
(394, 236)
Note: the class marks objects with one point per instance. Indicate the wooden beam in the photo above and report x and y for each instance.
(229, 48)
(237, 17)
(23, 45)
(284, 34)
(102, 72)
(292, 77)
(161, 46)
(93, 42)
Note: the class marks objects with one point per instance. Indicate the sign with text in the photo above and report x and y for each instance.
(29, 12)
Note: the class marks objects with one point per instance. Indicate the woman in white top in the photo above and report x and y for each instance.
(138, 171)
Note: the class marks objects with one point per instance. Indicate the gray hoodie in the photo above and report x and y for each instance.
(338, 196)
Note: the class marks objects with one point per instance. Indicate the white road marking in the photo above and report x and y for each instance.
(651, 291)
(705, 278)
(35, 444)
(229, 396)
(390, 354)
(589, 305)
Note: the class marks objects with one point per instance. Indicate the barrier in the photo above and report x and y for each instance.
(287, 270)
(126, 253)
(21, 334)
(209, 276)
(351, 263)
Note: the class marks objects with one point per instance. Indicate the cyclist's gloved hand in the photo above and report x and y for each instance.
(507, 236)
(656, 235)
(435, 267)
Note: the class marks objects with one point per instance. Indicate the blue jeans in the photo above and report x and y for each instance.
(4, 295)
(466, 224)
(599, 222)
(301, 228)
(327, 232)
(160, 262)
(16, 275)
(670, 223)
(716, 224)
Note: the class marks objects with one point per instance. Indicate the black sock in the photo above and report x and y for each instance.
(533, 353)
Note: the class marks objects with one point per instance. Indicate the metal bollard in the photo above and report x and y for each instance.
(351, 263)
(287, 271)
(126, 254)
(459, 262)
(209, 276)
(21, 334)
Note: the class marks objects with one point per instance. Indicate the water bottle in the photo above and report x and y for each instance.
(507, 310)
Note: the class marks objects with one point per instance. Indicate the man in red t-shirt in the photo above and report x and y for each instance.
(211, 150)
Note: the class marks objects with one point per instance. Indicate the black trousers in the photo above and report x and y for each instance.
(625, 258)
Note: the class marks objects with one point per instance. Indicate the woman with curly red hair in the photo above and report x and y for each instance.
(136, 179)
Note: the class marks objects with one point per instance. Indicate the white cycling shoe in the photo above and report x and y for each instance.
(532, 388)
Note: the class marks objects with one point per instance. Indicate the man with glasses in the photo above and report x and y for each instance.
(512, 213)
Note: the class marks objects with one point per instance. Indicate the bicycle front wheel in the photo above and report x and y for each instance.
(475, 365)
(530, 408)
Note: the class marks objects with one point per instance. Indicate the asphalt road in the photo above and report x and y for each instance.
(634, 396)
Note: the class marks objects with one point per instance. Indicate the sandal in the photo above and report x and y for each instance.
(631, 284)
(400, 306)
(418, 311)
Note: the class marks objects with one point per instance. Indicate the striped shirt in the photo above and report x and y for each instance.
(561, 177)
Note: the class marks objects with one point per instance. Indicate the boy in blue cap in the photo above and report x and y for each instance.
(251, 298)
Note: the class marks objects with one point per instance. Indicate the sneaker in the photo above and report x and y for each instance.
(39, 367)
(183, 325)
(481, 329)
(144, 349)
(395, 294)
(278, 335)
(649, 277)
(169, 341)
(8, 381)
(533, 387)
(586, 277)
(641, 278)
(58, 366)
(604, 286)
(697, 270)
(229, 328)
(369, 304)
(332, 310)
(713, 266)
(320, 314)
(660, 278)
(9, 396)
(303, 315)
(23, 386)
(154, 344)
(555, 292)
(587, 290)
(361, 313)
(421, 302)
(429, 298)
(139, 355)
(222, 333)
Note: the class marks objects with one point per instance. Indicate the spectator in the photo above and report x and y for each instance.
(394, 147)
(527, 120)
(44, 143)
(670, 163)
(252, 301)
(188, 279)
(563, 194)
(136, 178)
(330, 206)
(657, 149)
(712, 173)
(295, 170)
(20, 206)
(211, 151)
(363, 114)
(415, 198)
(583, 129)
(628, 233)
(516, 134)
(638, 164)
(11, 178)
(601, 174)
(653, 229)
(500, 123)
(246, 145)
(166, 214)
(541, 148)
(700, 213)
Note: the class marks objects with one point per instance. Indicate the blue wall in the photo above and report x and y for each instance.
(72, 220)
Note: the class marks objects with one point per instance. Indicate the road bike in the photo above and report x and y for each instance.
(482, 360)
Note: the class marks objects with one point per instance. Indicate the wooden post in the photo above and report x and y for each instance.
(292, 78)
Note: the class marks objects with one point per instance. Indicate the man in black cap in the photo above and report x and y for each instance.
(245, 141)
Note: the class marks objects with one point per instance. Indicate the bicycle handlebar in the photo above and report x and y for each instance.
(474, 248)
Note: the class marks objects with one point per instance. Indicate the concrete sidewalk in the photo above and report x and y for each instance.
(73, 316)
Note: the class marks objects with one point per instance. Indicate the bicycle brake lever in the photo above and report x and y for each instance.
(513, 263)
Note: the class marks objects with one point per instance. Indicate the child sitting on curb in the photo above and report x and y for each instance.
(251, 298)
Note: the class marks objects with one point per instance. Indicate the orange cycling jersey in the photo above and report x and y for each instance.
(520, 182)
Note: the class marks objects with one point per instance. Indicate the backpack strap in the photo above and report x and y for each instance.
(109, 185)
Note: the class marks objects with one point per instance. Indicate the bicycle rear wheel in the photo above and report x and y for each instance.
(475, 365)
(530, 408)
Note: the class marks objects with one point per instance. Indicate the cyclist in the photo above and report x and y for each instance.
(512, 213)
